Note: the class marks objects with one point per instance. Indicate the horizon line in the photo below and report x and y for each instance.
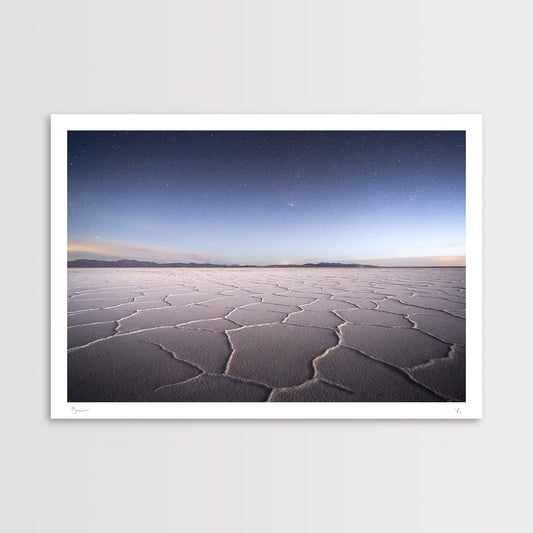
(180, 264)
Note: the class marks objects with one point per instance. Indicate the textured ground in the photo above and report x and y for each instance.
(273, 334)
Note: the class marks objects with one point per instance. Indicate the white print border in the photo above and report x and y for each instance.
(470, 409)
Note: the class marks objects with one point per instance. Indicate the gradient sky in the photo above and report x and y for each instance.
(267, 197)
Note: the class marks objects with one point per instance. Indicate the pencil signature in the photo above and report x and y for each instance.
(76, 411)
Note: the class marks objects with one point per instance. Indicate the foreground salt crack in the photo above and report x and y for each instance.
(277, 334)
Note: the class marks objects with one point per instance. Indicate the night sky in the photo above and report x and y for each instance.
(267, 197)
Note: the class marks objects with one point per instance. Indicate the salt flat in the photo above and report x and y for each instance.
(266, 334)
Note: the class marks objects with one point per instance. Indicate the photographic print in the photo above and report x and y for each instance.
(266, 266)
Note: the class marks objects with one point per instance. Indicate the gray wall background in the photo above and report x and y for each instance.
(284, 56)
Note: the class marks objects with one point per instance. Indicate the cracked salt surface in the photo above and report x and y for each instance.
(276, 334)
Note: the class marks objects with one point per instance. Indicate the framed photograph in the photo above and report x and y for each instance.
(266, 266)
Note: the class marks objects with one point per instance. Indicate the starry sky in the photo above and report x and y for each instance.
(268, 197)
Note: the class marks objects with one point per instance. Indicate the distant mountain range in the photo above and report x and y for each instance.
(132, 263)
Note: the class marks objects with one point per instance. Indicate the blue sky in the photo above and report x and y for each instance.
(267, 197)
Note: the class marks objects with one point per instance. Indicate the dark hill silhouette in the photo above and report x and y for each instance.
(132, 263)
